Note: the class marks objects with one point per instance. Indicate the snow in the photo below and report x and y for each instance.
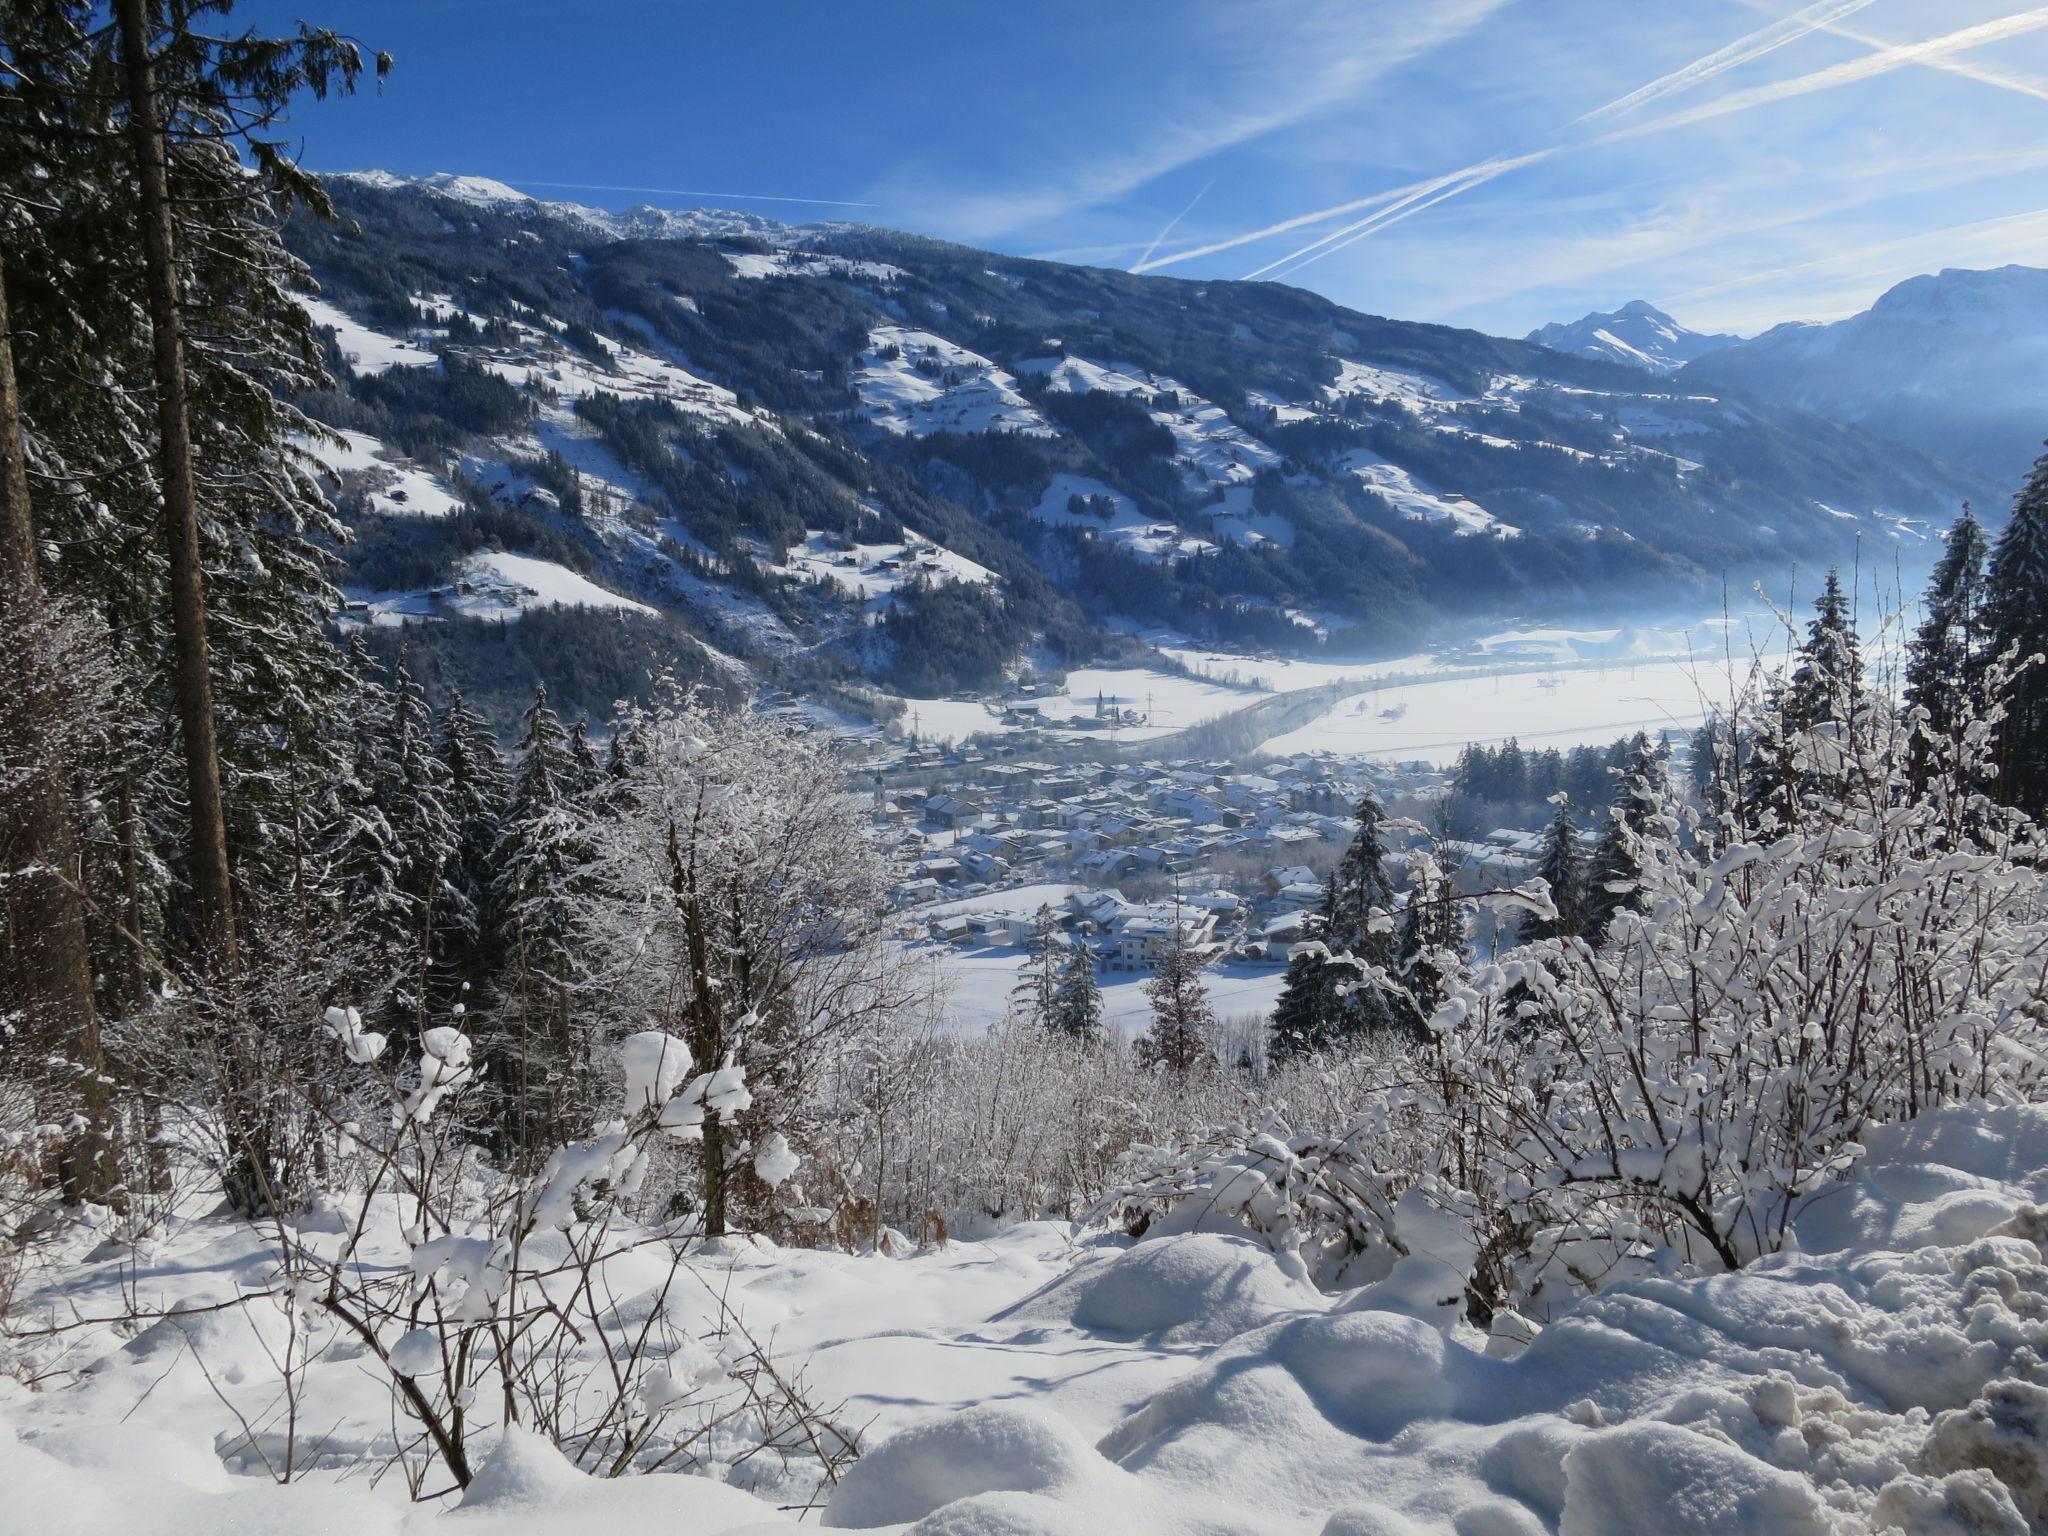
(1045, 1381)
(957, 391)
(1433, 719)
(364, 350)
(787, 263)
(1164, 702)
(874, 573)
(980, 982)
(1409, 497)
(493, 585)
(1209, 447)
(389, 484)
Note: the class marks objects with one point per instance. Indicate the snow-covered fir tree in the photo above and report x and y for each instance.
(1077, 1001)
(2016, 621)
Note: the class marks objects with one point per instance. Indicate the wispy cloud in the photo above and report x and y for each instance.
(1281, 76)
(1392, 207)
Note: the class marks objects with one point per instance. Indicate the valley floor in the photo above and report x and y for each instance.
(1876, 1376)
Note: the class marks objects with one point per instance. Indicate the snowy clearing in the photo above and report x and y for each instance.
(914, 383)
(364, 350)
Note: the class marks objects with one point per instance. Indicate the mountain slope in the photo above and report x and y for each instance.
(791, 443)
(1953, 363)
(1638, 334)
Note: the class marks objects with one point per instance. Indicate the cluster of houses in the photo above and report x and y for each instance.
(1130, 851)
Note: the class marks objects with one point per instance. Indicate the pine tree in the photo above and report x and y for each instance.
(1077, 1005)
(2016, 613)
(1616, 869)
(1038, 983)
(1177, 1040)
(1562, 864)
(414, 797)
(477, 788)
(1430, 952)
(1827, 679)
(541, 846)
(1306, 1015)
(1945, 662)
(1360, 891)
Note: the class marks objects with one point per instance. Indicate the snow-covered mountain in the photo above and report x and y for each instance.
(1954, 363)
(845, 458)
(1638, 333)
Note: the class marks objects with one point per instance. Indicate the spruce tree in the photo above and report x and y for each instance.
(1360, 891)
(1616, 870)
(1077, 1005)
(1177, 1041)
(1827, 679)
(1038, 983)
(414, 797)
(1562, 864)
(1945, 662)
(1306, 1015)
(477, 788)
(2016, 612)
(540, 849)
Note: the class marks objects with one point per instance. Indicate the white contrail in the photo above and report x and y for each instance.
(738, 197)
(1392, 206)
(1412, 200)
(1765, 40)
(1895, 56)
(1171, 222)
(1964, 69)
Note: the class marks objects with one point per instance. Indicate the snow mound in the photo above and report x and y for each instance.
(1197, 1288)
(989, 1449)
(522, 1471)
(1696, 1485)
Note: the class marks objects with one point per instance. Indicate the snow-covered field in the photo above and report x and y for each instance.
(1163, 701)
(1047, 1381)
(915, 383)
(1433, 719)
(980, 982)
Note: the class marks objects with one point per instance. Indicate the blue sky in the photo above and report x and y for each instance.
(1493, 163)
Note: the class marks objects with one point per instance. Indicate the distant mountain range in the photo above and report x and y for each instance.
(1638, 333)
(1954, 364)
(847, 461)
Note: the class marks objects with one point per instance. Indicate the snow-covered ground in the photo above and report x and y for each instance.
(1210, 448)
(1875, 1377)
(494, 585)
(1162, 702)
(874, 573)
(980, 981)
(364, 350)
(1433, 719)
(915, 383)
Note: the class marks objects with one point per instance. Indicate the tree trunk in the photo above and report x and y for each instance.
(209, 844)
(39, 854)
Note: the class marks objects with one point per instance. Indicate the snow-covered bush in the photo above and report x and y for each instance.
(505, 1309)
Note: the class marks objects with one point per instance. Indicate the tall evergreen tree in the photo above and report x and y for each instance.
(414, 797)
(2016, 613)
(1038, 983)
(1945, 662)
(1307, 1015)
(1562, 864)
(541, 846)
(1077, 1004)
(477, 789)
(1616, 870)
(1827, 678)
(1177, 1040)
(1430, 951)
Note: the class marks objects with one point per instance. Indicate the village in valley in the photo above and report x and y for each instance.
(1227, 856)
